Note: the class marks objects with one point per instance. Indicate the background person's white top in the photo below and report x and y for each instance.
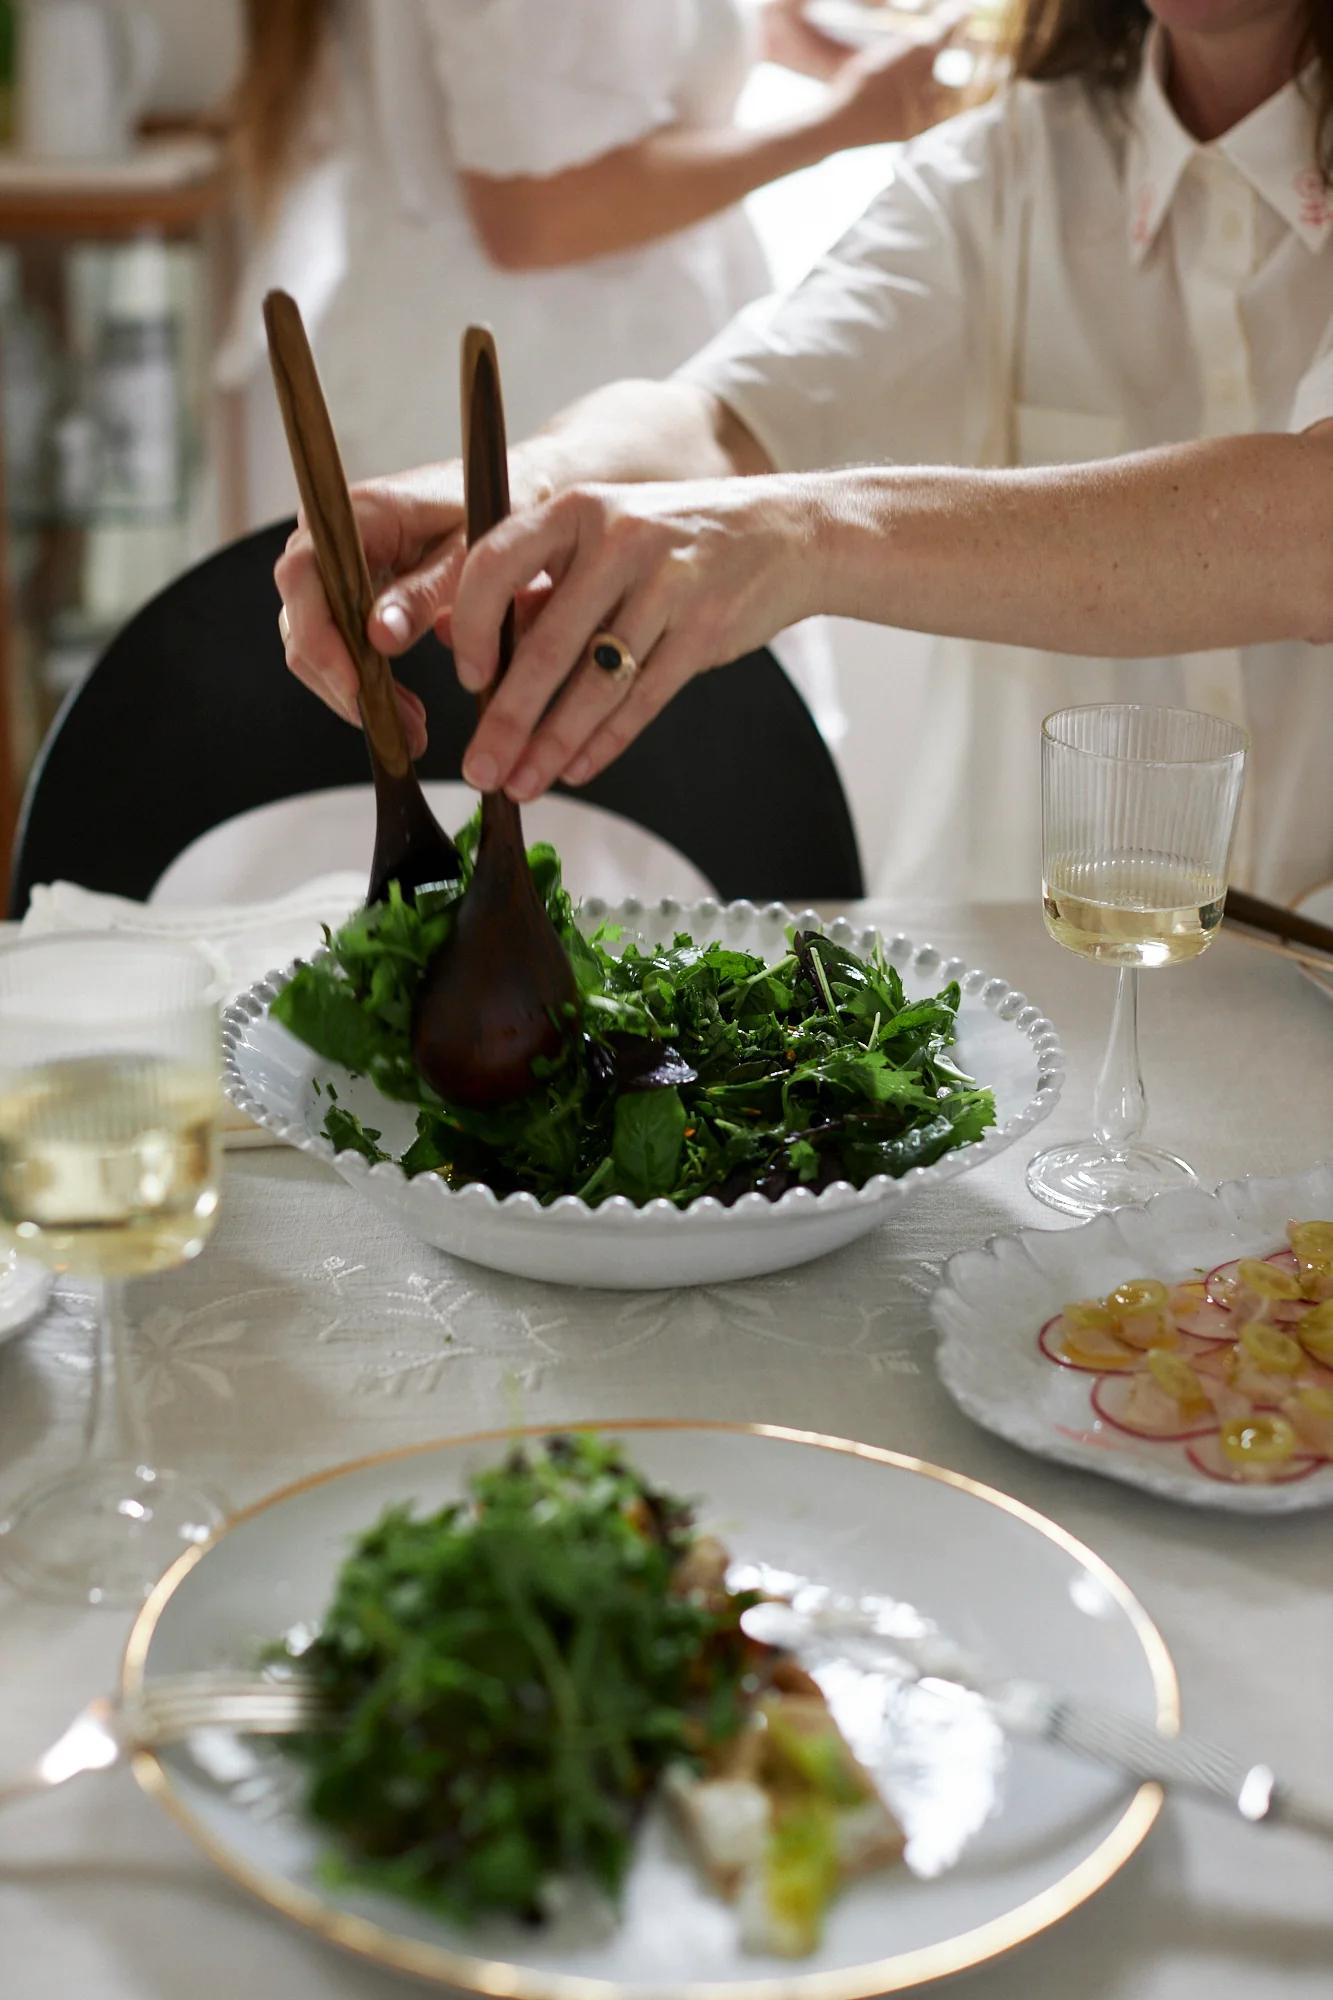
(1046, 282)
(374, 238)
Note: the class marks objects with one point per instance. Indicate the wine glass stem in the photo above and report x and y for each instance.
(1120, 1105)
(114, 1431)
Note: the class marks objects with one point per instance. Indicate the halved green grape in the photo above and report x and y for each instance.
(1174, 1376)
(1141, 1308)
(1266, 1281)
(1257, 1441)
(1136, 1295)
(1277, 1353)
(1316, 1333)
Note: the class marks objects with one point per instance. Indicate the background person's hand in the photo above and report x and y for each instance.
(889, 91)
(687, 575)
(788, 37)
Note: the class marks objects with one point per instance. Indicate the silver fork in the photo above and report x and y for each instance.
(1141, 1751)
(1043, 1715)
(168, 1710)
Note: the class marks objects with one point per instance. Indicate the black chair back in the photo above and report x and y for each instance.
(190, 717)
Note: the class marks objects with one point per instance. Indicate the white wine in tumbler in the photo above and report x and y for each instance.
(1132, 910)
(109, 1164)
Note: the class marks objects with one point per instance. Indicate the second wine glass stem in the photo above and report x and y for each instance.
(1120, 1104)
(114, 1431)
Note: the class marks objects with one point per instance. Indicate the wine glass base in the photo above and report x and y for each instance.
(1089, 1178)
(104, 1534)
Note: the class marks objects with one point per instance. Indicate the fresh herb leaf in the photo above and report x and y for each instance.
(348, 1134)
(649, 1133)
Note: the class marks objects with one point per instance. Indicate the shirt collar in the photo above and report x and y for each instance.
(1272, 149)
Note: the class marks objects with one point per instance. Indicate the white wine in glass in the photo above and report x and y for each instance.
(1138, 811)
(109, 1169)
(109, 1164)
(1132, 910)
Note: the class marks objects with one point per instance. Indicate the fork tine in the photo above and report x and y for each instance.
(184, 1710)
(176, 1705)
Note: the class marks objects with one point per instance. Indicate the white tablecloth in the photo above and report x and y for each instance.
(312, 1331)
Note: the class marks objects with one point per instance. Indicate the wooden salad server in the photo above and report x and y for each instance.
(501, 992)
(411, 847)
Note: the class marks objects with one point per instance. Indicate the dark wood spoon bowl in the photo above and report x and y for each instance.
(501, 993)
(411, 847)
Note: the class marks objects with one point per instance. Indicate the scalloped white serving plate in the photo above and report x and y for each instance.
(1004, 1041)
(993, 1302)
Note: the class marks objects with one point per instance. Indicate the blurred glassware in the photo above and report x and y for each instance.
(109, 1168)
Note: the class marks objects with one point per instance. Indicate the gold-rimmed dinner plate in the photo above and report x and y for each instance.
(25, 1287)
(1004, 1840)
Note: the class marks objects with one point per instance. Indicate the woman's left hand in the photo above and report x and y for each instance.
(687, 576)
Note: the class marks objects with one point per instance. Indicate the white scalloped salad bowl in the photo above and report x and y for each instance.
(993, 1302)
(1003, 1041)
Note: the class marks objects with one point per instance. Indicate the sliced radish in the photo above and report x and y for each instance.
(1103, 1351)
(1195, 1313)
(1285, 1261)
(1137, 1405)
(1213, 1363)
(1220, 1284)
(1262, 1388)
(1195, 1345)
(1224, 1289)
(1226, 1401)
(1206, 1456)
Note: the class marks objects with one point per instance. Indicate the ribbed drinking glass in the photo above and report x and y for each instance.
(1138, 811)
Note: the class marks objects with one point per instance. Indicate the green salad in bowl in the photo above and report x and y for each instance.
(690, 1068)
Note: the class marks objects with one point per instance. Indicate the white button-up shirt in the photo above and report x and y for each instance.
(1049, 279)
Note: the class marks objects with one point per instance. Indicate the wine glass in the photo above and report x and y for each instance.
(1138, 807)
(109, 1168)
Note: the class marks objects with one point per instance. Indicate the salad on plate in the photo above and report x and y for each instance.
(518, 1677)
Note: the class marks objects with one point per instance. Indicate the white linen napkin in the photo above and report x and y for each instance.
(245, 941)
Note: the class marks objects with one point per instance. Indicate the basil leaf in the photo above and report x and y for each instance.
(649, 1133)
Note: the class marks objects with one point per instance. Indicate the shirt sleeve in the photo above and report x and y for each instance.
(535, 86)
(1313, 403)
(885, 352)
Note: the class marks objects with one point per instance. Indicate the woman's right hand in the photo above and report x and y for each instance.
(412, 530)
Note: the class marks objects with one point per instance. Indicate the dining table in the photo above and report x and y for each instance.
(312, 1331)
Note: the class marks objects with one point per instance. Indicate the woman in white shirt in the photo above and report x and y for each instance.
(566, 170)
(1127, 259)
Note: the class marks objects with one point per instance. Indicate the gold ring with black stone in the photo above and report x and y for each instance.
(613, 656)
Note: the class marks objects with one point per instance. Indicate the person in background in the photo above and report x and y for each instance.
(1123, 262)
(569, 173)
